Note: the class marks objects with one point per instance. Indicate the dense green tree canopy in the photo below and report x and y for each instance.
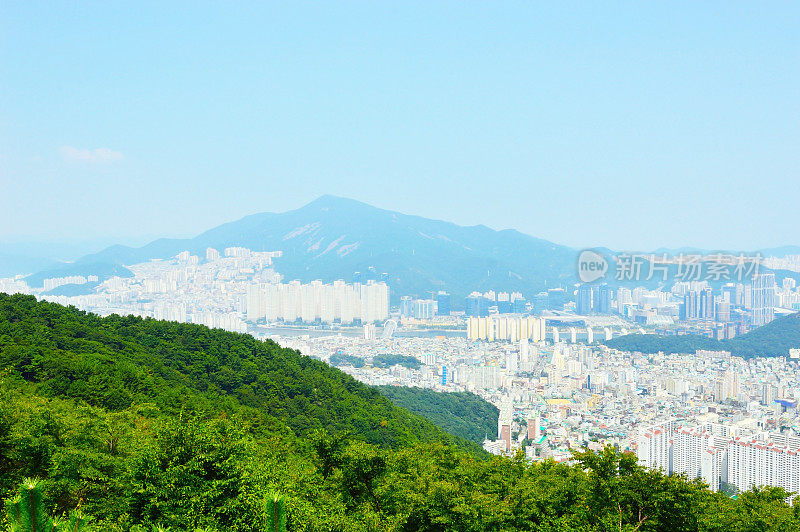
(461, 413)
(118, 362)
(143, 423)
(386, 360)
(340, 360)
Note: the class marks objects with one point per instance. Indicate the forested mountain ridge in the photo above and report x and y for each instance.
(771, 340)
(144, 423)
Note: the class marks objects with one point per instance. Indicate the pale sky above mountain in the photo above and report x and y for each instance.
(632, 125)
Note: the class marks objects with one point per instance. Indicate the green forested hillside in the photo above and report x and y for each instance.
(387, 360)
(460, 413)
(144, 423)
(771, 340)
(116, 362)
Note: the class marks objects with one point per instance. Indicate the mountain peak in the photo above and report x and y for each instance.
(333, 237)
(328, 201)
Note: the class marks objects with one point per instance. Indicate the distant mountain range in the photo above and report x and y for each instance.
(771, 340)
(781, 251)
(24, 257)
(12, 264)
(332, 238)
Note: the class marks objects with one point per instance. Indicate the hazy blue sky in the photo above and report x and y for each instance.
(633, 125)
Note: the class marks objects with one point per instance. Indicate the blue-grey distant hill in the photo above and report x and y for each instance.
(774, 339)
(781, 251)
(72, 289)
(332, 237)
(103, 270)
(12, 264)
(30, 256)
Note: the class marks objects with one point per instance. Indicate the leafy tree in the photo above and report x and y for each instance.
(329, 450)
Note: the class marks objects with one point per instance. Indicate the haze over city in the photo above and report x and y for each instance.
(399, 267)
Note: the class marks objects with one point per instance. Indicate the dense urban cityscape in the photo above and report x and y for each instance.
(541, 362)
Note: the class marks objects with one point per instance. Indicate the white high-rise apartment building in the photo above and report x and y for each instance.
(726, 386)
(255, 302)
(699, 452)
(524, 351)
(374, 301)
(654, 446)
(764, 459)
(763, 298)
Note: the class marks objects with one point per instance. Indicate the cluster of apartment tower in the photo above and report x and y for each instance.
(497, 327)
(722, 455)
(318, 302)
